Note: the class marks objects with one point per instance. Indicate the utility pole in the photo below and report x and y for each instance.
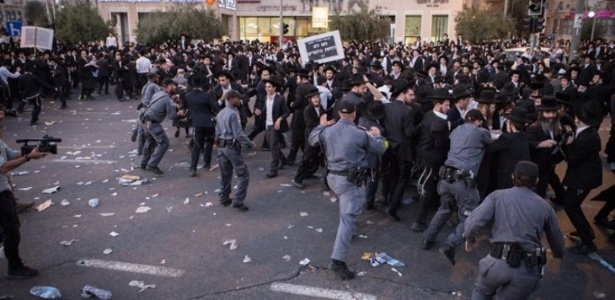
(576, 36)
(505, 8)
(281, 24)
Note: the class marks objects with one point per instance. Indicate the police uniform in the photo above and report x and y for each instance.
(457, 186)
(148, 92)
(230, 137)
(346, 148)
(160, 107)
(513, 268)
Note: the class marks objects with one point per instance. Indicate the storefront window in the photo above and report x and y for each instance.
(439, 26)
(263, 28)
(413, 28)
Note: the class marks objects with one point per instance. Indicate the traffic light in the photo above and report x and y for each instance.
(285, 28)
(536, 7)
(539, 25)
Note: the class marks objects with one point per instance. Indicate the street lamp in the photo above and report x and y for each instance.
(592, 15)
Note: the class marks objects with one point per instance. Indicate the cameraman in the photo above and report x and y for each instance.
(9, 222)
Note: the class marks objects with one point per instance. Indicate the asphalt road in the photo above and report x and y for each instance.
(178, 244)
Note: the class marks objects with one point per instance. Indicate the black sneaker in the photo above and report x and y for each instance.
(226, 202)
(241, 207)
(584, 249)
(392, 213)
(155, 170)
(425, 244)
(192, 173)
(133, 136)
(340, 268)
(22, 207)
(449, 253)
(22, 272)
(418, 227)
(298, 184)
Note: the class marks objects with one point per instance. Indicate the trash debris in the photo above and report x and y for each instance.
(6, 297)
(333, 199)
(155, 195)
(114, 194)
(169, 208)
(232, 243)
(93, 203)
(46, 292)
(456, 294)
(25, 189)
(20, 173)
(247, 259)
(107, 251)
(361, 236)
(88, 291)
(368, 222)
(290, 226)
(51, 190)
(114, 234)
(67, 243)
(601, 260)
(64, 202)
(77, 216)
(394, 270)
(107, 214)
(44, 205)
(198, 194)
(164, 261)
(50, 123)
(305, 261)
(208, 204)
(599, 295)
(286, 257)
(319, 230)
(89, 182)
(128, 179)
(303, 214)
(326, 193)
(105, 181)
(285, 184)
(141, 285)
(362, 273)
(214, 167)
(143, 209)
(187, 201)
(377, 259)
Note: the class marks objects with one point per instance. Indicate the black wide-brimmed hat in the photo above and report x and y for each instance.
(374, 110)
(357, 79)
(376, 64)
(303, 73)
(590, 113)
(563, 98)
(461, 91)
(312, 92)
(486, 96)
(519, 115)
(548, 103)
(399, 86)
(274, 80)
(440, 94)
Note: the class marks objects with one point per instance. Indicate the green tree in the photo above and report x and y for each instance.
(159, 26)
(363, 25)
(35, 13)
(81, 22)
(482, 25)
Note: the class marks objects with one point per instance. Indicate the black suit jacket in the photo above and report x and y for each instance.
(541, 156)
(418, 64)
(584, 165)
(203, 108)
(454, 116)
(510, 148)
(311, 118)
(399, 124)
(279, 110)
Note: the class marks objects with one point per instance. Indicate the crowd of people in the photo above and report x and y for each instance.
(461, 122)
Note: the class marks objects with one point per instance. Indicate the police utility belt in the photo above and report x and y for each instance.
(232, 143)
(452, 175)
(355, 175)
(513, 254)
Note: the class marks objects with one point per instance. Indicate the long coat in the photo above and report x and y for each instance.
(584, 165)
(509, 149)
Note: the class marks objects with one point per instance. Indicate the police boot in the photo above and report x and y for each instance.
(340, 268)
(448, 252)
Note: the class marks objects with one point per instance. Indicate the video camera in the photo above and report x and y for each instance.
(45, 144)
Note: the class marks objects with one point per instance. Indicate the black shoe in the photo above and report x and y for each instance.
(155, 170)
(604, 222)
(312, 177)
(369, 206)
(241, 207)
(340, 268)
(265, 149)
(418, 227)
(63, 106)
(192, 173)
(298, 184)
(584, 249)
(133, 136)
(227, 202)
(449, 253)
(393, 214)
(22, 207)
(22, 272)
(425, 244)
(207, 166)
(33, 123)
(176, 134)
(557, 201)
(271, 174)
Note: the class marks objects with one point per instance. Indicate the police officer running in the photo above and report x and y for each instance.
(156, 139)
(230, 137)
(346, 148)
(514, 266)
(457, 186)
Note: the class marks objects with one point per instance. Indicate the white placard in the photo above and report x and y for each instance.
(578, 21)
(36, 37)
(321, 48)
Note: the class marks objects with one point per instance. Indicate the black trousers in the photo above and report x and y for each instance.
(309, 163)
(608, 207)
(572, 205)
(396, 180)
(258, 128)
(9, 223)
(36, 101)
(203, 139)
(103, 81)
(297, 142)
(428, 182)
(544, 176)
(275, 140)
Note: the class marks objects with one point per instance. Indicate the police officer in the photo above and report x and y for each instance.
(156, 139)
(513, 268)
(230, 137)
(457, 186)
(346, 148)
(148, 90)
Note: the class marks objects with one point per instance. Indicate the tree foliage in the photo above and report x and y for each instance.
(35, 12)
(482, 25)
(81, 22)
(158, 27)
(363, 25)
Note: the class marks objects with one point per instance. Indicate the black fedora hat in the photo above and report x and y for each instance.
(376, 64)
(374, 110)
(357, 79)
(509, 89)
(312, 92)
(548, 103)
(502, 100)
(589, 113)
(486, 96)
(519, 115)
(303, 73)
(563, 98)
(274, 80)
(399, 86)
(461, 91)
(330, 68)
(440, 94)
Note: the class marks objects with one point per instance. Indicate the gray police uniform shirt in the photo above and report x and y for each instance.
(228, 126)
(467, 147)
(6, 154)
(520, 216)
(345, 145)
(148, 92)
(161, 106)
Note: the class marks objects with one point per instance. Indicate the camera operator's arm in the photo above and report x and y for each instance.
(18, 160)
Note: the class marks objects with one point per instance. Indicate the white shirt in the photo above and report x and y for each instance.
(440, 115)
(325, 95)
(111, 41)
(579, 129)
(269, 103)
(5, 74)
(144, 65)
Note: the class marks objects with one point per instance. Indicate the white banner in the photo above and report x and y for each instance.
(36, 37)
(321, 48)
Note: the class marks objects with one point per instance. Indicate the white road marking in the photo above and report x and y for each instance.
(86, 147)
(129, 267)
(319, 292)
(85, 161)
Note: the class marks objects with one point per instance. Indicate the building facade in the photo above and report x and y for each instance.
(560, 17)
